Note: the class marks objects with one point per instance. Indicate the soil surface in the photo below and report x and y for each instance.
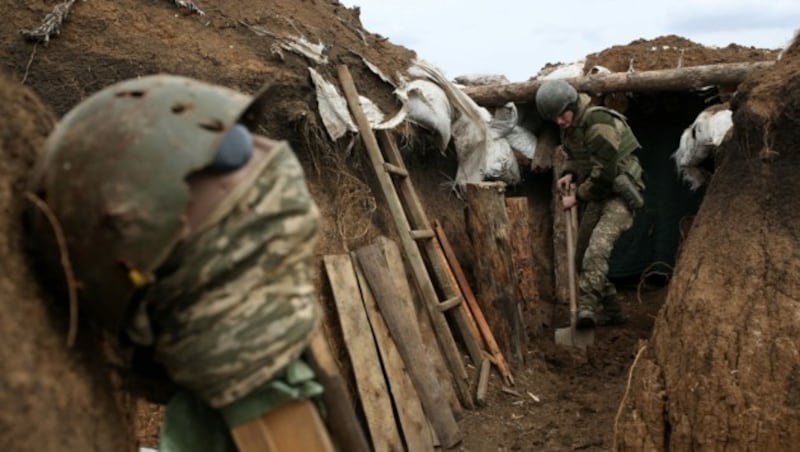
(563, 399)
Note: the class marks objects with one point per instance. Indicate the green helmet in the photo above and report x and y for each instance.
(553, 97)
(114, 172)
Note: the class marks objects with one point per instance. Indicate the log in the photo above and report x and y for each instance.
(496, 283)
(681, 79)
(522, 229)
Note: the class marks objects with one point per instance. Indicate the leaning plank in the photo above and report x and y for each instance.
(342, 422)
(681, 79)
(419, 312)
(406, 401)
(409, 343)
(360, 343)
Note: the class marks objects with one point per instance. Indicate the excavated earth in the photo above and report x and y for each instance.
(562, 400)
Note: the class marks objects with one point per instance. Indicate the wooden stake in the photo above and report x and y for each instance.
(483, 383)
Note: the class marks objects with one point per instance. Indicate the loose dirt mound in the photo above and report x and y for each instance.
(236, 44)
(670, 52)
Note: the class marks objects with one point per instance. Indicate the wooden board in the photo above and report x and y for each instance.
(412, 418)
(370, 382)
(395, 261)
(345, 430)
(409, 343)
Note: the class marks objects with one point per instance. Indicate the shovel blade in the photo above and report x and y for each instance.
(572, 337)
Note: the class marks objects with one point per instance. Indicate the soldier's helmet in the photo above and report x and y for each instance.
(553, 97)
(114, 173)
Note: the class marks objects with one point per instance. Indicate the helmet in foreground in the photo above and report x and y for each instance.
(114, 172)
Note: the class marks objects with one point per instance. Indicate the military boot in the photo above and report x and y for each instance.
(611, 313)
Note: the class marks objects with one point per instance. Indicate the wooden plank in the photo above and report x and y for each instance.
(413, 422)
(342, 422)
(295, 425)
(357, 334)
(472, 303)
(409, 343)
(420, 273)
(395, 261)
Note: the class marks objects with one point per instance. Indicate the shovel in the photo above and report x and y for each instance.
(571, 336)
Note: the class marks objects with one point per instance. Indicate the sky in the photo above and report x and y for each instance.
(517, 38)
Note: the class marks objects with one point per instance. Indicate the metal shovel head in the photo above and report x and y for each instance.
(572, 337)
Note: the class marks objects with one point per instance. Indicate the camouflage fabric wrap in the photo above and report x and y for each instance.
(235, 305)
(611, 218)
(598, 140)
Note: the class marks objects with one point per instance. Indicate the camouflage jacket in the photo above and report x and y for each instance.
(599, 145)
(235, 304)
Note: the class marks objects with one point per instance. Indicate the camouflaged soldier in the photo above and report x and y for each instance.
(600, 160)
(190, 234)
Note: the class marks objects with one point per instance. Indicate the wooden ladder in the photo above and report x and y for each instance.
(417, 235)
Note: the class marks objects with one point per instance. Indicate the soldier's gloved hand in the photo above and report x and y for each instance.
(235, 149)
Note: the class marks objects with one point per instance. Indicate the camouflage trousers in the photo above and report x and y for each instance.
(602, 223)
(234, 305)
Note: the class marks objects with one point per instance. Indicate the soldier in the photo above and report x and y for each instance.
(191, 234)
(600, 150)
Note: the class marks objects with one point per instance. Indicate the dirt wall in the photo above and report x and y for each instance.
(52, 397)
(722, 370)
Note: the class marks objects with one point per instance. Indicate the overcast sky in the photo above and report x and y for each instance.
(518, 37)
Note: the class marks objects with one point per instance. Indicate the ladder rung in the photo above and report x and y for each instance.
(394, 169)
(419, 234)
(451, 303)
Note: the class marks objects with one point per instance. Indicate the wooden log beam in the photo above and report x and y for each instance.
(495, 280)
(680, 79)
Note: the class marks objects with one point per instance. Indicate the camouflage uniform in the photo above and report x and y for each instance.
(242, 289)
(599, 146)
